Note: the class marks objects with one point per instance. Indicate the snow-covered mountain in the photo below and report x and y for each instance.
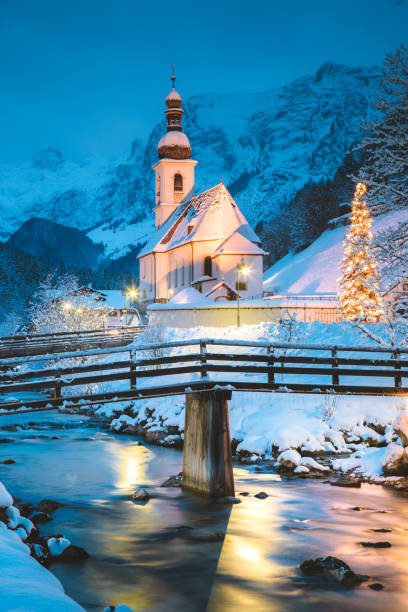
(266, 146)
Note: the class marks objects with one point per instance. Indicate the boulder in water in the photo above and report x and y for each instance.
(41, 518)
(48, 506)
(332, 569)
(141, 495)
(261, 495)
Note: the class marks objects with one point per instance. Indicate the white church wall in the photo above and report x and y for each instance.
(224, 314)
(254, 280)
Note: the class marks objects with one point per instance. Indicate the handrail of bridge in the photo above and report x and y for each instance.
(68, 341)
(270, 364)
(82, 332)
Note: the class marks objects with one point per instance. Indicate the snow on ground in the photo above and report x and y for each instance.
(266, 424)
(316, 269)
(25, 585)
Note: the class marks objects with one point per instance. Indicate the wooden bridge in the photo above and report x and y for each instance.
(59, 342)
(206, 371)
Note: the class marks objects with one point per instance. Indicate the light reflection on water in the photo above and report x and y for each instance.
(140, 556)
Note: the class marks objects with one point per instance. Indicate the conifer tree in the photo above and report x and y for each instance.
(359, 299)
(385, 169)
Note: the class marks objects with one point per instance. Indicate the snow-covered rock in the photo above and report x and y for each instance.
(394, 460)
(311, 463)
(56, 546)
(5, 498)
(301, 469)
(289, 458)
(400, 426)
(15, 520)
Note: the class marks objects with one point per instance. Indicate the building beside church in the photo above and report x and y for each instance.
(200, 241)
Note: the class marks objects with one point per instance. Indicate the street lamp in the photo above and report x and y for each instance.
(130, 293)
(243, 270)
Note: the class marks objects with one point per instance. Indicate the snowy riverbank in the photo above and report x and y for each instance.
(264, 425)
(25, 584)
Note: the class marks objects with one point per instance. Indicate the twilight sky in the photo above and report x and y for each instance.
(88, 76)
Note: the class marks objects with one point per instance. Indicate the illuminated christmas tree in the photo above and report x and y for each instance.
(359, 299)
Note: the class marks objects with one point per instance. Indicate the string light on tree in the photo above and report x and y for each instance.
(359, 299)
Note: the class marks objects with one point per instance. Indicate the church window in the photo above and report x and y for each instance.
(178, 183)
(175, 275)
(242, 286)
(182, 273)
(158, 187)
(207, 266)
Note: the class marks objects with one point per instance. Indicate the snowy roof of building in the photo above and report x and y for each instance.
(203, 279)
(114, 298)
(237, 244)
(222, 283)
(212, 215)
(190, 296)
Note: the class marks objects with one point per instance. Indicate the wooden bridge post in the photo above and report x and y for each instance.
(271, 366)
(203, 359)
(335, 363)
(398, 380)
(132, 377)
(57, 386)
(207, 461)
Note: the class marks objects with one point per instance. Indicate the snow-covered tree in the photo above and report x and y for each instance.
(359, 298)
(55, 307)
(385, 144)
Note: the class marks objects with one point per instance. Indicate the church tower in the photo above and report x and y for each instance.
(174, 172)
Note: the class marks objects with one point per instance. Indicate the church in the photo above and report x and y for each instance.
(200, 241)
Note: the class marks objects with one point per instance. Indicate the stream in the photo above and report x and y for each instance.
(141, 554)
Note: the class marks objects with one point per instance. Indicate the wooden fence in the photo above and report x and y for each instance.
(173, 368)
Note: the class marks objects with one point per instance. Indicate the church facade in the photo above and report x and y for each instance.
(201, 241)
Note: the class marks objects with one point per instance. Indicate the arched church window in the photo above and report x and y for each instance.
(178, 183)
(207, 266)
(158, 187)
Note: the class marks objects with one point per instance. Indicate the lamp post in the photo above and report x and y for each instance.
(130, 293)
(244, 270)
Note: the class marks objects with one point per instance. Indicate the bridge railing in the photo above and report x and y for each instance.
(200, 364)
(37, 344)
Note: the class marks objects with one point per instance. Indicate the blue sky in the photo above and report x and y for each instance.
(89, 76)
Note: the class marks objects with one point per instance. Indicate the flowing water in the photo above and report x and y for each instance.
(141, 554)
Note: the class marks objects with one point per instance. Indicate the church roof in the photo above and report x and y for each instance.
(219, 285)
(212, 215)
(237, 244)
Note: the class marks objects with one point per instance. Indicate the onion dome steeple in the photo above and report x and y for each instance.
(174, 144)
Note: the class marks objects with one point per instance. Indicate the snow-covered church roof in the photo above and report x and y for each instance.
(212, 215)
